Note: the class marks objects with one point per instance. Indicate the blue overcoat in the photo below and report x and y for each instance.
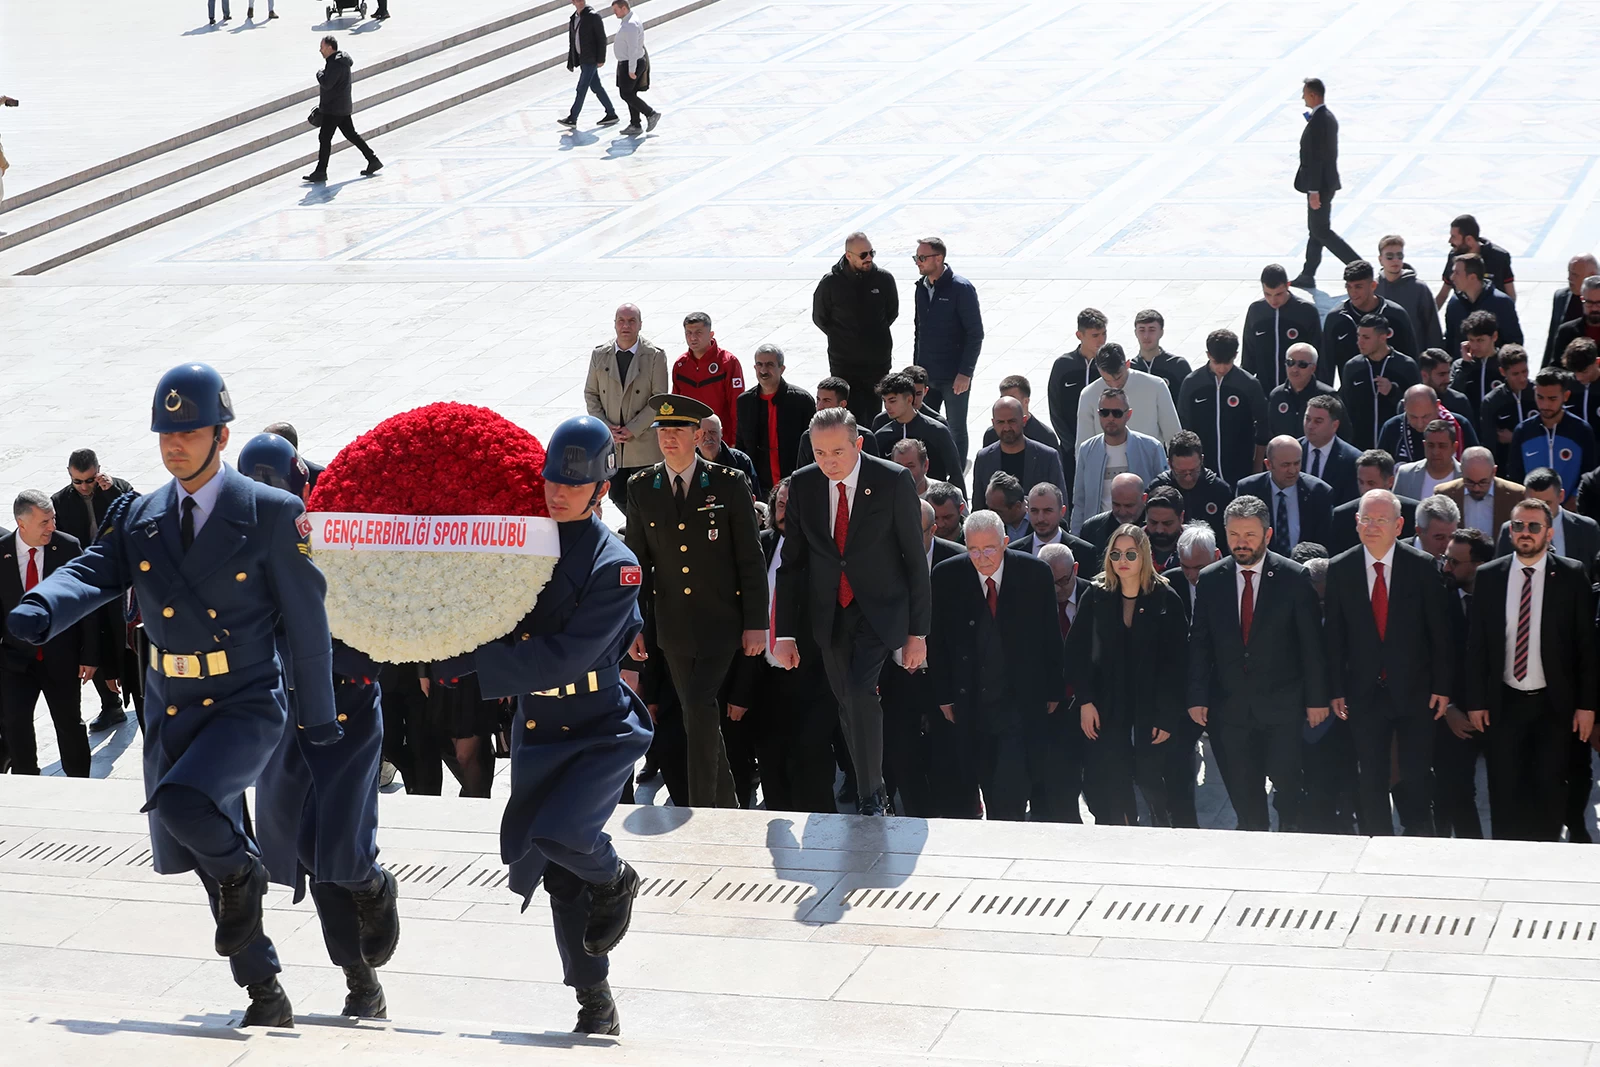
(319, 803)
(570, 756)
(248, 571)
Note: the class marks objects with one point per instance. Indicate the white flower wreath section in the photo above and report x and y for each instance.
(417, 588)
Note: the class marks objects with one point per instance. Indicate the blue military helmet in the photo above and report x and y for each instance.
(190, 397)
(581, 451)
(272, 460)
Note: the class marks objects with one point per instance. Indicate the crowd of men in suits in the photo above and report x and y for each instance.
(1360, 481)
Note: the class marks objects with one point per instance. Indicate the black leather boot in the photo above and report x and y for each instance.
(239, 908)
(610, 911)
(597, 1012)
(269, 1006)
(366, 995)
(378, 917)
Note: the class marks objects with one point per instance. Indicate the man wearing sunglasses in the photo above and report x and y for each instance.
(1286, 404)
(1531, 674)
(1577, 537)
(1399, 283)
(1114, 451)
(854, 305)
(80, 509)
(948, 336)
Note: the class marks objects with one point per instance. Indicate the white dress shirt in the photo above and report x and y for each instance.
(1056, 540)
(1372, 575)
(629, 43)
(205, 499)
(1255, 583)
(1316, 460)
(1479, 514)
(22, 560)
(985, 579)
(849, 484)
(1535, 675)
(772, 597)
(1559, 544)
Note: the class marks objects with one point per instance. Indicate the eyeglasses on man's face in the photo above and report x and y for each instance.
(990, 554)
(868, 254)
(1374, 520)
(1527, 526)
(1113, 413)
(923, 257)
(1303, 364)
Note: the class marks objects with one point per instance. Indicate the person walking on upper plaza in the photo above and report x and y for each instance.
(633, 69)
(623, 375)
(853, 556)
(5, 165)
(1318, 178)
(334, 110)
(709, 373)
(854, 305)
(586, 50)
(948, 336)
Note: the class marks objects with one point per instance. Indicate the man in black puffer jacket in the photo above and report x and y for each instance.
(854, 305)
(335, 108)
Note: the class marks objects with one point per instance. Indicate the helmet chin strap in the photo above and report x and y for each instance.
(216, 442)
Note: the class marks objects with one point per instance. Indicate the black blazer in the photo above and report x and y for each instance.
(1343, 530)
(943, 550)
(804, 457)
(1029, 627)
(1089, 560)
(794, 409)
(1580, 536)
(1338, 468)
(76, 646)
(1098, 653)
(748, 675)
(883, 555)
(1413, 661)
(71, 516)
(1566, 638)
(1319, 154)
(1282, 672)
(1316, 503)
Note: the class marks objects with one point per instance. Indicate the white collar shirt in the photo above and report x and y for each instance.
(849, 483)
(1478, 514)
(1372, 575)
(22, 559)
(1258, 569)
(1056, 540)
(1534, 678)
(997, 577)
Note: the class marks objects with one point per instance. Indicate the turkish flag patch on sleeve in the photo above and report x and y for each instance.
(632, 576)
(302, 525)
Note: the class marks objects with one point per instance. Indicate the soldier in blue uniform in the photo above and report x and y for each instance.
(219, 563)
(578, 730)
(317, 806)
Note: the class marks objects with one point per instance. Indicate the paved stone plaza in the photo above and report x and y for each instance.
(1116, 155)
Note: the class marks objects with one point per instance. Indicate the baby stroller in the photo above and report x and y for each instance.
(339, 7)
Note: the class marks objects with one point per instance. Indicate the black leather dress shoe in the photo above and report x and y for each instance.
(1304, 281)
(378, 917)
(108, 719)
(239, 908)
(873, 804)
(597, 1012)
(269, 1006)
(610, 911)
(366, 999)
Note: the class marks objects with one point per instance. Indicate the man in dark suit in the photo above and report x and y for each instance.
(852, 552)
(1046, 510)
(1318, 178)
(1374, 470)
(1532, 675)
(1026, 459)
(1388, 633)
(832, 392)
(904, 420)
(1257, 671)
(1566, 305)
(1485, 500)
(1457, 745)
(692, 525)
(997, 661)
(80, 508)
(772, 417)
(1577, 537)
(791, 716)
(54, 669)
(1128, 497)
(1301, 506)
(1325, 454)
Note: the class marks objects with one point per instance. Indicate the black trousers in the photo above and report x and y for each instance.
(1455, 784)
(1580, 783)
(1328, 779)
(864, 402)
(1180, 764)
(908, 705)
(19, 696)
(1007, 767)
(793, 736)
(1251, 752)
(854, 659)
(698, 680)
(952, 769)
(1061, 744)
(345, 125)
(1320, 235)
(1528, 754)
(630, 95)
(1119, 757)
(1379, 727)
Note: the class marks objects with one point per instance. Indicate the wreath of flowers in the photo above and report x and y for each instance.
(440, 459)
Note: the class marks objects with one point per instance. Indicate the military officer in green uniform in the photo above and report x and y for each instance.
(703, 587)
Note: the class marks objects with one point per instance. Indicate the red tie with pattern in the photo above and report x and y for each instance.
(1247, 607)
(1519, 664)
(1380, 603)
(841, 530)
(993, 596)
(29, 582)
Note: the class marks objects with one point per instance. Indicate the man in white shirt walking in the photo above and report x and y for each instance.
(633, 69)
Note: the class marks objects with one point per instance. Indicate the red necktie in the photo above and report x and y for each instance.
(841, 529)
(993, 597)
(772, 438)
(29, 582)
(1519, 664)
(1380, 602)
(1247, 606)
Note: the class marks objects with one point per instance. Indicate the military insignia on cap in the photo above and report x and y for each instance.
(665, 409)
(173, 401)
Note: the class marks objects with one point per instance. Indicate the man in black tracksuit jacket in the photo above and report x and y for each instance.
(1339, 329)
(1273, 323)
(854, 305)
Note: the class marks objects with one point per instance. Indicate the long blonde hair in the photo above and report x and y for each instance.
(1148, 578)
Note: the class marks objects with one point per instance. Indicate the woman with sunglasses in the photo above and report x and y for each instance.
(1127, 667)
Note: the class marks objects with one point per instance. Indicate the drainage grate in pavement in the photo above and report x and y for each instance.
(885, 900)
(756, 893)
(67, 852)
(1302, 921)
(1020, 907)
(1153, 913)
(1570, 931)
(1423, 925)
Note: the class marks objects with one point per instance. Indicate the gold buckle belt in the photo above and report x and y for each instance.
(590, 684)
(193, 665)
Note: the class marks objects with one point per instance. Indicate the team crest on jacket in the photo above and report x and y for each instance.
(1291, 333)
(738, 383)
(713, 369)
(1233, 401)
(1211, 507)
(1565, 455)
(1283, 407)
